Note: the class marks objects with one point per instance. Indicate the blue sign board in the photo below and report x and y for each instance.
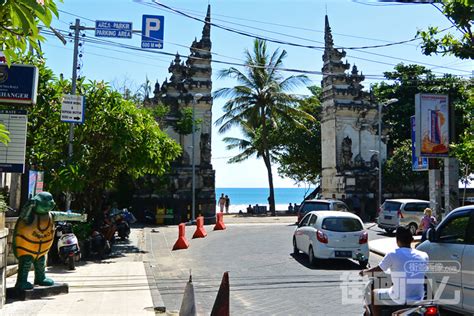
(18, 84)
(153, 31)
(113, 29)
(418, 163)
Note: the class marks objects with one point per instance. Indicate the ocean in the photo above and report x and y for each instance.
(240, 198)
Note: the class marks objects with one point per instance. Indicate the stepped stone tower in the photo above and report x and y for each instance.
(188, 79)
(349, 136)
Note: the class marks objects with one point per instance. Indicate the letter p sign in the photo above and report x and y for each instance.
(152, 31)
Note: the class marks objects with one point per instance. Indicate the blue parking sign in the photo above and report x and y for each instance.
(153, 31)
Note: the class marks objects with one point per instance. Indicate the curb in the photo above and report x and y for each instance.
(158, 303)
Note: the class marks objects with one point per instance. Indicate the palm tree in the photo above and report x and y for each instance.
(257, 104)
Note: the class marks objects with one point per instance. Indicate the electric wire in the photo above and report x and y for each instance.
(130, 47)
(281, 25)
(351, 56)
(359, 49)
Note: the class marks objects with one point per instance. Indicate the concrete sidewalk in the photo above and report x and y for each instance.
(383, 245)
(114, 286)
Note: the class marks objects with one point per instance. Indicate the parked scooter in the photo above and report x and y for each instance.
(98, 246)
(123, 219)
(68, 249)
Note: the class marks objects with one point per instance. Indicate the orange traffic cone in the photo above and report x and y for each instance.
(222, 305)
(182, 242)
(188, 305)
(220, 222)
(200, 230)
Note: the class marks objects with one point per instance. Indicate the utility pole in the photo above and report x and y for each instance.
(77, 28)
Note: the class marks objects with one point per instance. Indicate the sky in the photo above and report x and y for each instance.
(354, 24)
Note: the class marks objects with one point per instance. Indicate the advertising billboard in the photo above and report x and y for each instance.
(432, 125)
(417, 163)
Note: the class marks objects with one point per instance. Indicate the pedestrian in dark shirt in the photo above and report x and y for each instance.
(227, 203)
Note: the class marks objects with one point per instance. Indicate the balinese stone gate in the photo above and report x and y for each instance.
(349, 133)
(188, 79)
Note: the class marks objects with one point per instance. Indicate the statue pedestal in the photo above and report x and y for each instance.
(38, 292)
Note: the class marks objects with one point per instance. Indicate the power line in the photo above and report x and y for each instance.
(355, 57)
(134, 48)
(305, 46)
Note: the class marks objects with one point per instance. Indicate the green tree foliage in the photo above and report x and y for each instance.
(19, 21)
(117, 138)
(260, 101)
(410, 80)
(299, 145)
(398, 174)
(460, 44)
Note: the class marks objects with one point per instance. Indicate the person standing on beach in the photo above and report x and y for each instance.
(222, 203)
(227, 203)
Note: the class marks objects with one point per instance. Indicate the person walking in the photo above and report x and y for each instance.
(227, 203)
(427, 221)
(221, 203)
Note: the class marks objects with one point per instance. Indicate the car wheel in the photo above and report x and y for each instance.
(312, 258)
(295, 247)
(412, 228)
(363, 263)
(389, 230)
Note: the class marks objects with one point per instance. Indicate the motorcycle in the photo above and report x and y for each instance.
(123, 219)
(68, 249)
(420, 308)
(98, 245)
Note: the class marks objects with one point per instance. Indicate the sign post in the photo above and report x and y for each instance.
(152, 31)
(113, 29)
(72, 109)
(12, 156)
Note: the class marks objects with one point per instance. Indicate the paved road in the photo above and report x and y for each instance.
(265, 278)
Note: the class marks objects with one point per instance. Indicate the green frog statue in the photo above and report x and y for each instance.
(33, 236)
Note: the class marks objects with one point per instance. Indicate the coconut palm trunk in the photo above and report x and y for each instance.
(257, 105)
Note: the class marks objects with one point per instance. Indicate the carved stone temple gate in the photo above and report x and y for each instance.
(349, 137)
(188, 78)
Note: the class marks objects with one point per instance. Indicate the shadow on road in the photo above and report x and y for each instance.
(326, 264)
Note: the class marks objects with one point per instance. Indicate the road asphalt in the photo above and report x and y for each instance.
(120, 285)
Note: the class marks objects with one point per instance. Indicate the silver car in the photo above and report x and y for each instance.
(401, 212)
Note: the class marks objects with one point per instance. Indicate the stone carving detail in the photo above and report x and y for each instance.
(359, 161)
(205, 149)
(346, 157)
(374, 161)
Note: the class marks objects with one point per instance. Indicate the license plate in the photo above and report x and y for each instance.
(387, 217)
(343, 254)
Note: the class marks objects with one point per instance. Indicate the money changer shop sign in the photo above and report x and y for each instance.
(18, 84)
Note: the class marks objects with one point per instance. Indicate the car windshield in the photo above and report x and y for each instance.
(341, 224)
(314, 206)
(391, 206)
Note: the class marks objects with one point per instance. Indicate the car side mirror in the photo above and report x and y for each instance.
(431, 234)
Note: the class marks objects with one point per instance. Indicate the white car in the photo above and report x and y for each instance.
(332, 235)
(401, 212)
(450, 247)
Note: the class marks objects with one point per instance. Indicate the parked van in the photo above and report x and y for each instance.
(401, 212)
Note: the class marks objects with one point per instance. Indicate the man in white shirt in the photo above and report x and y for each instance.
(406, 267)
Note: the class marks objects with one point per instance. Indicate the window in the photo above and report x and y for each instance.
(316, 206)
(391, 206)
(415, 207)
(304, 221)
(312, 221)
(342, 224)
(454, 231)
(341, 207)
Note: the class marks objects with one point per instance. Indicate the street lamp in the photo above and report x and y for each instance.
(196, 98)
(379, 152)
